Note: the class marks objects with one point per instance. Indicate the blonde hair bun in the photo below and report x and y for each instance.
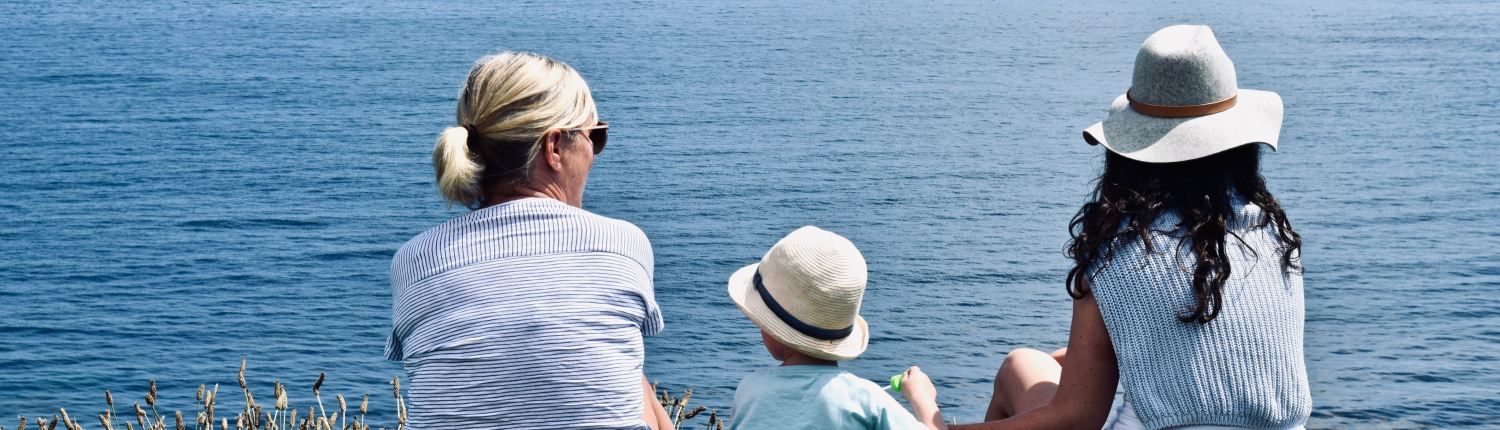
(457, 172)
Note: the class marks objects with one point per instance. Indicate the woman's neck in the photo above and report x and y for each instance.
(512, 196)
(546, 191)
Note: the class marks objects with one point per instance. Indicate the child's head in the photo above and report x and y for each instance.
(805, 295)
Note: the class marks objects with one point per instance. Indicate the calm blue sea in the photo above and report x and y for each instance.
(183, 184)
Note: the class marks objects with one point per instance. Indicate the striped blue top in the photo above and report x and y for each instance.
(527, 314)
(1244, 368)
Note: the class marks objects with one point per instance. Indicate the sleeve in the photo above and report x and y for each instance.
(393, 347)
(653, 324)
(393, 344)
(886, 413)
(738, 404)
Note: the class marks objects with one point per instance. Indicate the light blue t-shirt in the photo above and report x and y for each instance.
(815, 397)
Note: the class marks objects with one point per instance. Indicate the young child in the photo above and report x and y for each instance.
(805, 296)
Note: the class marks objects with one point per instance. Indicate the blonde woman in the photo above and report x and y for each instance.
(527, 312)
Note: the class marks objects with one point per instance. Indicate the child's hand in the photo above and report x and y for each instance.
(918, 388)
(919, 391)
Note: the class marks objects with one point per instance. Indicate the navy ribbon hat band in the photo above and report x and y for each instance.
(796, 324)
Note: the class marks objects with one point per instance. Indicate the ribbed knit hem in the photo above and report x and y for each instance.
(1213, 420)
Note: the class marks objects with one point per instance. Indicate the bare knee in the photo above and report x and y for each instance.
(1027, 379)
(1023, 353)
(1010, 383)
(1018, 360)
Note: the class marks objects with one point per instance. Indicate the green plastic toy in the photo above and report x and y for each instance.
(895, 384)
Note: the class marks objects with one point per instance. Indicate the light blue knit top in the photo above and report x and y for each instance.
(1244, 368)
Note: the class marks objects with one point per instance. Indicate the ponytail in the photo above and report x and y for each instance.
(457, 172)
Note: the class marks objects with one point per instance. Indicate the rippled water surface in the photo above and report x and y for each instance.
(188, 183)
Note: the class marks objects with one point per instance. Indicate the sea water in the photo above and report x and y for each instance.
(188, 183)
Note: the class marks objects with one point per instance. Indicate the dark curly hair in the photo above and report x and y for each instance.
(1130, 195)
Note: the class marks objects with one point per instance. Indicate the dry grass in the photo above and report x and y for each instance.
(279, 415)
(677, 408)
(252, 416)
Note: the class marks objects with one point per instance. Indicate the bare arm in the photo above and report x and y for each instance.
(922, 395)
(1087, 384)
(656, 416)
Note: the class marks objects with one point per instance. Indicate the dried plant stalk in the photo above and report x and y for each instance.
(282, 416)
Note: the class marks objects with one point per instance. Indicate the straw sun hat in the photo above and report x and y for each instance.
(805, 292)
(1185, 103)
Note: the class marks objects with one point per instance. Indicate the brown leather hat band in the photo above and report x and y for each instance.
(1181, 111)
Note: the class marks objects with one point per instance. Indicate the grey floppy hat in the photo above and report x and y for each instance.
(1185, 103)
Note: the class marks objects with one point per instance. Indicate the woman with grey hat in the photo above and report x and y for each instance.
(1186, 278)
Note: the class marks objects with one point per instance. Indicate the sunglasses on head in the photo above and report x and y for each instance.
(598, 134)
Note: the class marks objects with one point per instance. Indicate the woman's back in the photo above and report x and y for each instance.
(526, 314)
(1243, 368)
